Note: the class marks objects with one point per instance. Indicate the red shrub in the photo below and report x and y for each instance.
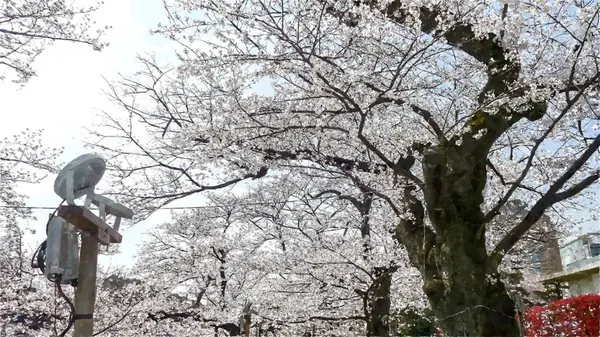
(572, 317)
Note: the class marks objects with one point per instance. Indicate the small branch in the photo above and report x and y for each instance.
(505, 183)
(340, 196)
(339, 162)
(495, 210)
(551, 197)
(46, 37)
(427, 116)
(397, 168)
(112, 325)
(576, 189)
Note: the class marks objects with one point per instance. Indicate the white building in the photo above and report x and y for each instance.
(581, 265)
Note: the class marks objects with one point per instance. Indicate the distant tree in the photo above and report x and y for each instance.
(25, 298)
(23, 160)
(276, 247)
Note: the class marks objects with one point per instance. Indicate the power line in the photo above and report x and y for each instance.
(158, 209)
(265, 203)
(258, 203)
(94, 209)
(26, 207)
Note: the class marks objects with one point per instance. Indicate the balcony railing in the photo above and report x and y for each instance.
(581, 251)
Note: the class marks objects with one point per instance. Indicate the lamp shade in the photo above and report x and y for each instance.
(86, 170)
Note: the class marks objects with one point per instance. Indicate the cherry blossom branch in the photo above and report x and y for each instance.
(36, 164)
(329, 319)
(339, 162)
(27, 27)
(427, 116)
(33, 320)
(399, 169)
(509, 183)
(502, 72)
(495, 210)
(49, 37)
(551, 197)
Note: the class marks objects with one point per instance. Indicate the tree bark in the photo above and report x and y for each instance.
(471, 302)
(379, 302)
(467, 296)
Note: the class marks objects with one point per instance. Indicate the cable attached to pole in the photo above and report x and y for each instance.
(72, 315)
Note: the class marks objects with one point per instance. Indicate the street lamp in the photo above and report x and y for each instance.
(77, 179)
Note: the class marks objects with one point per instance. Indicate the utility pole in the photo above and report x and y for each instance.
(77, 179)
(85, 295)
(94, 231)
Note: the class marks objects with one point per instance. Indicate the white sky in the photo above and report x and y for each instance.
(67, 94)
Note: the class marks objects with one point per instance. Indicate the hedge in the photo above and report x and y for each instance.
(571, 317)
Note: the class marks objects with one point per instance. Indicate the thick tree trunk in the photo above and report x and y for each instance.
(379, 303)
(470, 302)
(463, 290)
(485, 311)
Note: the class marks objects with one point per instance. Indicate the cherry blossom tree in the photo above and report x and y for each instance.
(32, 305)
(23, 160)
(27, 27)
(278, 248)
(446, 111)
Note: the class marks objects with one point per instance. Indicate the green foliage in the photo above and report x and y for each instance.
(553, 291)
(415, 323)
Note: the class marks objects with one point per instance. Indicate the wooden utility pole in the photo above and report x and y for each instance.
(95, 231)
(85, 295)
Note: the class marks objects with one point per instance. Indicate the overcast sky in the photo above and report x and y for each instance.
(67, 94)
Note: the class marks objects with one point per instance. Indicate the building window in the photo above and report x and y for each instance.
(595, 249)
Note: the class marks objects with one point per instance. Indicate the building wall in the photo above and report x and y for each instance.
(550, 261)
(587, 285)
(577, 252)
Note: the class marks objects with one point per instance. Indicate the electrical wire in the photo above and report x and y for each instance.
(53, 214)
(37, 260)
(69, 302)
(264, 203)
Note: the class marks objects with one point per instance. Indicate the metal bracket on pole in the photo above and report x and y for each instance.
(89, 222)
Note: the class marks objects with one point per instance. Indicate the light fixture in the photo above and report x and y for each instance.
(79, 177)
(107, 206)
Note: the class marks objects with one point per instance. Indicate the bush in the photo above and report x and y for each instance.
(572, 317)
(415, 322)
